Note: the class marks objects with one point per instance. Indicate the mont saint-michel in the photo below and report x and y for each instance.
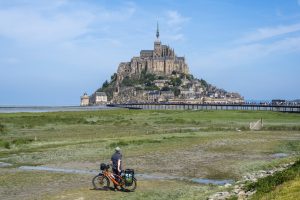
(157, 75)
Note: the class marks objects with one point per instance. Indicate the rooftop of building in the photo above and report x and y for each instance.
(100, 94)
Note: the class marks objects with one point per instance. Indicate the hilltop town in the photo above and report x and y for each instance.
(157, 75)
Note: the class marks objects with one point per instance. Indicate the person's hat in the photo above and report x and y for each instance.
(118, 149)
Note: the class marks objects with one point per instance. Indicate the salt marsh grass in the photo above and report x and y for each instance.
(200, 144)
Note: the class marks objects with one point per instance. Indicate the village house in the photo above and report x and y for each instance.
(187, 93)
(153, 96)
(98, 98)
(165, 96)
(186, 82)
(160, 83)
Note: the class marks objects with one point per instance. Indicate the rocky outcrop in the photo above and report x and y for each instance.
(238, 190)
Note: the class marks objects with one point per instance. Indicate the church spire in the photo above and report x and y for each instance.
(157, 31)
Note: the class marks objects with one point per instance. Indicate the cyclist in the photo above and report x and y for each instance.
(116, 160)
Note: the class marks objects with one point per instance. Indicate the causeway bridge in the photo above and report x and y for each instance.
(184, 106)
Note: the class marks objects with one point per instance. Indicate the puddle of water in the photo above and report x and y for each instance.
(141, 176)
(3, 164)
(69, 171)
(279, 155)
(157, 177)
(195, 180)
(211, 181)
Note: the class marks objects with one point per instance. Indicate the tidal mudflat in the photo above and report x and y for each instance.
(199, 145)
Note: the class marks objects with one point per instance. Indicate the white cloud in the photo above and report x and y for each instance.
(270, 32)
(175, 19)
(43, 23)
(31, 26)
(247, 53)
(175, 22)
(253, 47)
(176, 37)
(42, 5)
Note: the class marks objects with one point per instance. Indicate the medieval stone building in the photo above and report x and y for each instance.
(162, 60)
(98, 98)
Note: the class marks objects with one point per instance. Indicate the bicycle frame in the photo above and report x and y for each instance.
(112, 176)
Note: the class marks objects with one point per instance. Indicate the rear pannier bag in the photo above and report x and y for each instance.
(129, 175)
(103, 166)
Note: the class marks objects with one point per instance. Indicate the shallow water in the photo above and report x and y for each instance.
(279, 155)
(212, 181)
(139, 176)
(51, 169)
(3, 164)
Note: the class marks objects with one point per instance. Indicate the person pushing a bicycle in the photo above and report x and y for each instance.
(127, 181)
(116, 161)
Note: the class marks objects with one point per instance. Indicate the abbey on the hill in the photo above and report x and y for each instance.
(162, 60)
(157, 75)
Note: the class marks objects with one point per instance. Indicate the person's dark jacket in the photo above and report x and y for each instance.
(115, 157)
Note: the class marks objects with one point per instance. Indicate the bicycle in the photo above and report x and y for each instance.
(103, 179)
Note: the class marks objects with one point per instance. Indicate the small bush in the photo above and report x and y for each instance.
(21, 141)
(176, 91)
(282, 128)
(151, 87)
(2, 128)
(127, 81)
(4, 144)
(176, 81)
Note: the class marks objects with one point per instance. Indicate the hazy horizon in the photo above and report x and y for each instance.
(54, 51)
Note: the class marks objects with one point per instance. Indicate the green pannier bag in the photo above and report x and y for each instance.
(129, 176)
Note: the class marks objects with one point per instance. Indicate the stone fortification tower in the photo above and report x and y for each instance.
(84, 100)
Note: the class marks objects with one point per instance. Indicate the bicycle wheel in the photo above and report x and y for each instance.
(130, 188)
(101, 182)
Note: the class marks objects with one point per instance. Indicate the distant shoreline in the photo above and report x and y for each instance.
(36, 109)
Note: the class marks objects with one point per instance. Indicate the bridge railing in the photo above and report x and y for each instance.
(181, 106)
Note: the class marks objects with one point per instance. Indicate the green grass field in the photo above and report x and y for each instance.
(196, 144)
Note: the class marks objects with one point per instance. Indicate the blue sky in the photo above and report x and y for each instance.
(53, 51)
